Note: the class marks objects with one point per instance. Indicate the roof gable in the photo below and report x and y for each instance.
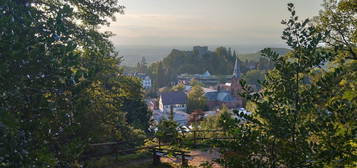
(169, 98)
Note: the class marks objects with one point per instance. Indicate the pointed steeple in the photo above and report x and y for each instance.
(236, 71)
(234, 54)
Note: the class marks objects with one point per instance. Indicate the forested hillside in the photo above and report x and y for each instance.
(218, 62)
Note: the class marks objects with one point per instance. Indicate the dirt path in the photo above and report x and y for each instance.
(134, 164)
(198, 157)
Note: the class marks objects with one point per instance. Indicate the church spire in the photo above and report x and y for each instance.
(236, 71)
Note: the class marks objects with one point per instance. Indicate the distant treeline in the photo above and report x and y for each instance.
(218, 62)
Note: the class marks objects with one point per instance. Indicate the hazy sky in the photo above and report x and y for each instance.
(205, 22)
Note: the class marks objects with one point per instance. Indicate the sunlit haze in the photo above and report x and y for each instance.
(205, 22)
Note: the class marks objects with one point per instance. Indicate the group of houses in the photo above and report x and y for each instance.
(205, 78)
(225, 94)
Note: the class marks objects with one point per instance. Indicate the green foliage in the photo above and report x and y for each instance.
(195, 82)
(141, 67)
(253, 77)
(218, 121)
(167, 131)
(137, 113)
(339, 19)
(305, 115)
(178, 62)
(61, 87)
(225, 117)
(210, 123)
(196, 99)
(178, 87)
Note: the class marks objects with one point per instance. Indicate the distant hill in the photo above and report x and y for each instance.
(249, 57)
(281, 51)
(257, 55)
(133, 54)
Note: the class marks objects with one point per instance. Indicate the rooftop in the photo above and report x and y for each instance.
(169, 98)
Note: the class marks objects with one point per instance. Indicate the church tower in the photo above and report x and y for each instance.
(236, 70)
(235, 84)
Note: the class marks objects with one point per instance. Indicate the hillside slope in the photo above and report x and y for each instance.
(257, 55)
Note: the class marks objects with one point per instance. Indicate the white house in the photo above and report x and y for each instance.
(146, 82)
(173, 100)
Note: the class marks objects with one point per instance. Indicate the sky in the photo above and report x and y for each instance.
(205, 22)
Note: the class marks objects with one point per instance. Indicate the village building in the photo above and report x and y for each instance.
(205, 78)
(217, 98)
(235, 86)
(146, 81)
(226, 94)
(175, 101)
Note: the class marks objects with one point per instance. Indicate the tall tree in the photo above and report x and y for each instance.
(142, 66)
(178, 87)
(339, 19)
(56, 71)
(196, 99)
(302, 117)
(160, 75)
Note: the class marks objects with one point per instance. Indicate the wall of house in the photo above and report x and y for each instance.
(213, 105)
(146, 83)
(176, 107)
(161, 106)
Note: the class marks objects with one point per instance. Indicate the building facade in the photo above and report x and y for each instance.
(205, 78)
(226, 94)
(175, 101)
(146, 81)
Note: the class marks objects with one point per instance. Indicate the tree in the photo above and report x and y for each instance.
(61, 87)
(179, 62)
(195, 82)
(196, 116)
(142, 66)
(253, 77)
(134, 105)
(264, 64)
(167, 131)
(178, 87)
(302, 117)
(160, 75)
(196, 99)
(339, 19)
(217, 121)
